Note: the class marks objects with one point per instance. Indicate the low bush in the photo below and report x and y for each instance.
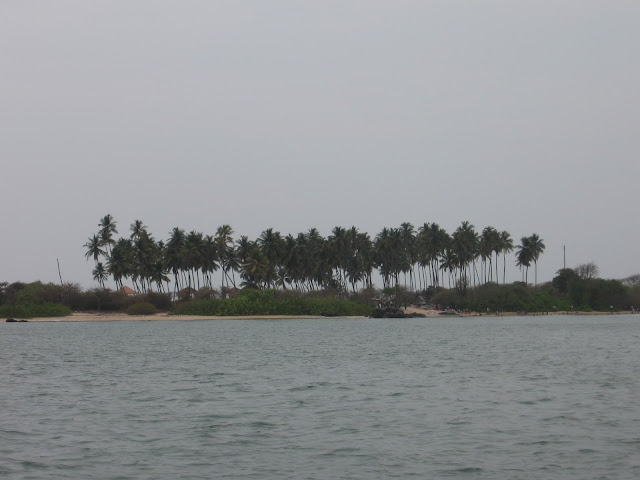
(141, 308)
(505, 298)
(267, 302)
(32, 310)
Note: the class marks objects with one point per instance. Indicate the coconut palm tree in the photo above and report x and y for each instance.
(255, 268)
(450, 262)
(408, 251)
(465, 247)
(100, 274)
(94, 248)
(174, 255)
(137, 228)
(524, 256)
(119, 263)
(107, 229)
(488, 245)
(272, 245)
(537, 246)
(506, 246)
(226, 252)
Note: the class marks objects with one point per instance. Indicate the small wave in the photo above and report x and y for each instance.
(32, 464)
(342, 451)
(300, 389)
(259, 424)
(462, 471)
(458, 422)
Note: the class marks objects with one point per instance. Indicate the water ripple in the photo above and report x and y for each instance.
(496, 398)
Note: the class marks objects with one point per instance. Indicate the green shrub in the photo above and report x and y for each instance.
(32, 310)
(269, 302)
(141, 308)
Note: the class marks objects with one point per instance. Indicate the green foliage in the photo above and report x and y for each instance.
(505, 298)
(587, 293)
(32, 310)
(29, 300)
(563, 278)
(267, 302)
(599, 294)
(141, 308)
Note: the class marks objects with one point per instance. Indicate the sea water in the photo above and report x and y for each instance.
(554, 397)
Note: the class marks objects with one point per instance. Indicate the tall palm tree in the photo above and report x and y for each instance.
(94, 248)
(537, 246)
(107, 229)
(226, 252)
(449, 263)
(506, 246)
(100, 274)
(488, 245)
(137, 228)
(465, 247)
(119, 263)
(524, 256)
(174, 255)
(272, 245)
(255, 268)
(409, 251)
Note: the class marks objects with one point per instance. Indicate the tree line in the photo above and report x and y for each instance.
(418, 258)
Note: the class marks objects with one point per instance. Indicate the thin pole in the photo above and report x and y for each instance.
(59, 274)
(564, 254)
(61, 284)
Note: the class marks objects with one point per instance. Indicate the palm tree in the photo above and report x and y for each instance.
(119, 263)
(255, 268)
(107, 229)
(409, 251)
(174, 254)
(465, 247)
(449, 262)
(537, 246)
(94, 248)
(100, 274)
(524, 256)
(137, 227)
(192, 256)
(272, 245)
(226, 252)
(506, 246)
(488, 245)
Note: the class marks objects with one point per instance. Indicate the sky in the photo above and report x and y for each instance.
(524, 116)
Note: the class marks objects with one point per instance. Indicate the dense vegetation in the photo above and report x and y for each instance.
(308, 274)
(270, 302)
(20, 300)
(422, 258)
(568, 291)
(37, 299)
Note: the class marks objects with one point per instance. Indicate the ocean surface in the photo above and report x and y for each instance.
(552, 397)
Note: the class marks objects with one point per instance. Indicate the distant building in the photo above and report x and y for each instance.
(127, 291)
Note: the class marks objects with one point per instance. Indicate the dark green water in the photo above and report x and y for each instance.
(495, 398)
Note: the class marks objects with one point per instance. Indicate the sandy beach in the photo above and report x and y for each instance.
(123, 317)
(120, 317)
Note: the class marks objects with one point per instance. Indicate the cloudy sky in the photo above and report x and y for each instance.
(298, 114)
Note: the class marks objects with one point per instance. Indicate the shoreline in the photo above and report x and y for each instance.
(165, 316)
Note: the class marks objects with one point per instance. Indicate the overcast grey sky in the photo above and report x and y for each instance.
(297, 114)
